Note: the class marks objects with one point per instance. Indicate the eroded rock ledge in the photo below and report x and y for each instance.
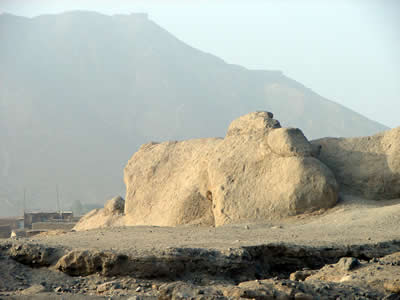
(238, 264)
(260, 272)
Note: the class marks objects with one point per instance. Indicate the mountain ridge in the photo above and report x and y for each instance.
(81, 91)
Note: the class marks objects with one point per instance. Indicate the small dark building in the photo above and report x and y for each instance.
(5, 231)
(13, 222)
(35, 217)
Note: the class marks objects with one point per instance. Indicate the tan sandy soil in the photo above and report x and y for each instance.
(353, 221)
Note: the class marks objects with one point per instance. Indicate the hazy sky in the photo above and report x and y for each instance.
(347, 51)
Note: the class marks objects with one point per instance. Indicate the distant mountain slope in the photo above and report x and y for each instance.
(80, 91)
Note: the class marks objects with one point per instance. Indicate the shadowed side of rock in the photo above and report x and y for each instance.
(167, 184)
(367, 166)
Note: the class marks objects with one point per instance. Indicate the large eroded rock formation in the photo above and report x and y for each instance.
(367, 166)
(258, 171)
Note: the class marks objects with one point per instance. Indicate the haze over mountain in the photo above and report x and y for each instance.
(81, 91)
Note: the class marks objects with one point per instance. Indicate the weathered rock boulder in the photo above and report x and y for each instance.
(167, 183)
(111, 215)
(251, 179)
(258, 171)
(254, 123)
(366, 166)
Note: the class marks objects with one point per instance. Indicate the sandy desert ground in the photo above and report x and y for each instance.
(298, 258)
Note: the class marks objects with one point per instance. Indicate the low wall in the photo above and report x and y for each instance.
(18, 233)
(13, 222)
(53, 225)
(30, 233)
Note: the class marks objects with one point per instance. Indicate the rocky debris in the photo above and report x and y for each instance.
(34, 289)
(301, 275)
(184, 290)
(205, 274)
(110, 215)
(366, 166)
(391, 259)
(266, 289)
(348, 263)
(170, 264)
(88, 262)
(27, 281)
(374, 274)
(236, 264)
(392, 286)
(23, 282)
(271, 170)
(33, 255)
(108, 286)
